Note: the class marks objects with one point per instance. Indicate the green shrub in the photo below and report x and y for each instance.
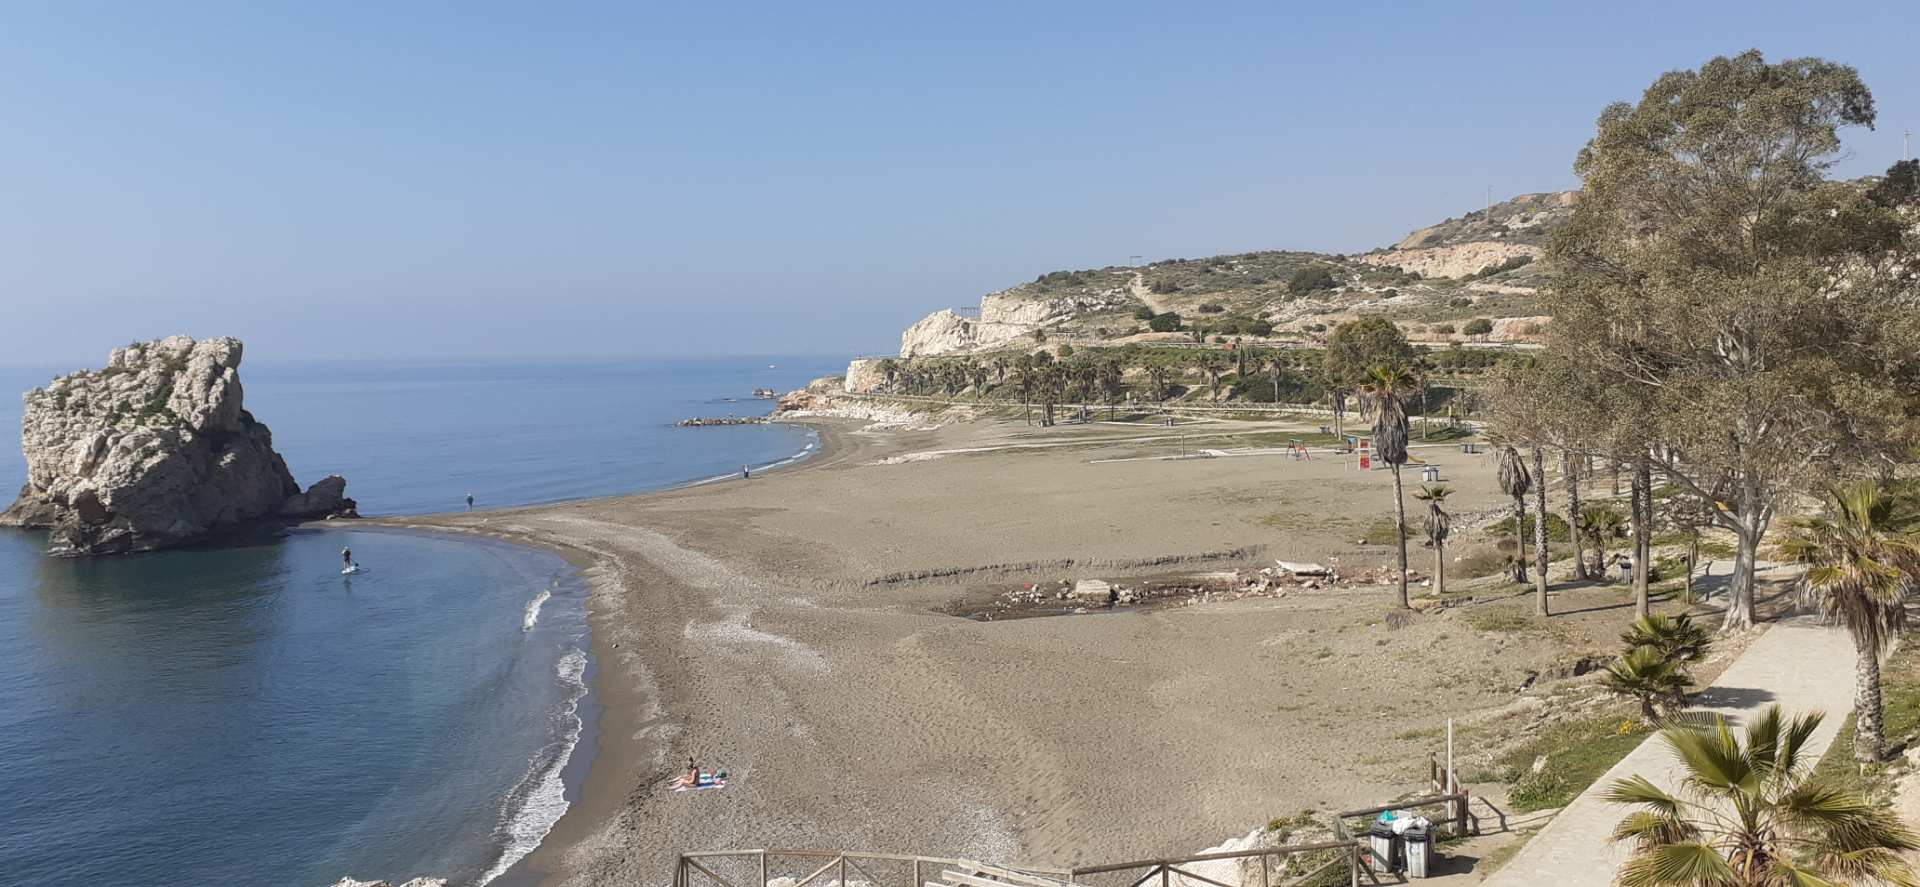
(1164, 285)
(1165, 323)
(1211, 308)
(1479, 326)
(1310, 278)
(1445, 329)
(1143, 313)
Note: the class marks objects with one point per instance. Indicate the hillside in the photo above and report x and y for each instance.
(1432, 282)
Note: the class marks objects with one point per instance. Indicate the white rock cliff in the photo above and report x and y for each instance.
(155, 451)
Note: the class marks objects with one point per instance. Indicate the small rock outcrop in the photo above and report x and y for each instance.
(155, 451)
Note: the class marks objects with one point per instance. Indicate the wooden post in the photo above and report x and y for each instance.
(916, 872)
(1163, 876)
(843, 870)
(1460, 821)
(763, 868)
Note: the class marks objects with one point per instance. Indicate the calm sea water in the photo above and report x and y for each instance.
(249, 716)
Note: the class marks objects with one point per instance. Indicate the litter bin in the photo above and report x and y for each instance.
(1383, 841)
(1430, 474)
(1419, 850)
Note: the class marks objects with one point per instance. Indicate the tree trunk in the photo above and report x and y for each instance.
(1520, 539)
(1693, 559)
(1400, 528)
(1642, 534)
(1750, 525)
(1868, 742)
(1572, 475)
(1540, 531)
(1439, 569)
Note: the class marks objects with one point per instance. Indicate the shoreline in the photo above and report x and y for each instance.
(798, 631)
(619, 708)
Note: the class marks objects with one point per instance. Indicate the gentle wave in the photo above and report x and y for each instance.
(533, 610)
(542, 794)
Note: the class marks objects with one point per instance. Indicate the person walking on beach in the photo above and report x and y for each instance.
(469, 501)
(744, 473)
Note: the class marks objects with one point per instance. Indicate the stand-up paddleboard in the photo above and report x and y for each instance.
(349, 569)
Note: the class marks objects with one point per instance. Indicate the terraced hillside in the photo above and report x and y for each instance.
(1468, 278)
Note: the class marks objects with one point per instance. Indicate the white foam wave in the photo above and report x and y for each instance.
(533, 610)
(544, 798)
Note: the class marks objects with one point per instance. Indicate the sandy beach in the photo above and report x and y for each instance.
(773, 627)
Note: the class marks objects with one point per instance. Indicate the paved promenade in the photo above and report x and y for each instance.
(1798, 663)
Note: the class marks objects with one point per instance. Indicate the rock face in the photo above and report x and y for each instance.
(863, 375)
(155, 451)
(1005, 316)
(1452, 261)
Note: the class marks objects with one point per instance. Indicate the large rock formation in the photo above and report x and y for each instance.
(155, 451)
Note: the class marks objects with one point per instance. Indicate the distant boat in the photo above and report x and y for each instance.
(772, 367)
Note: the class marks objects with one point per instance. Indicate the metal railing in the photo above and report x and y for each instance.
(906, 869)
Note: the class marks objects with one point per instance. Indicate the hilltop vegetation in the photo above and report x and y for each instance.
(1434, 283)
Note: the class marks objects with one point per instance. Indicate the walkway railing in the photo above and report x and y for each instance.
(837, 868)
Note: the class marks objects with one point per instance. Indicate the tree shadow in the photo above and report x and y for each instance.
(1732, 697)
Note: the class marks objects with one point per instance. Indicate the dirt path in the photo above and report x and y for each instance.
(1139, 289)
(1800, 664)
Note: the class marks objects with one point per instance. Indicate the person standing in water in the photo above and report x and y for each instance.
(346, 558)
(469, 501)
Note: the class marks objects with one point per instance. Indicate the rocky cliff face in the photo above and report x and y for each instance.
(154, 451)
(1458, 260)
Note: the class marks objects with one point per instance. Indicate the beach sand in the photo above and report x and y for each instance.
(750, 624)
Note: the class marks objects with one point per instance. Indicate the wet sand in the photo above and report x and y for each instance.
(774, 627)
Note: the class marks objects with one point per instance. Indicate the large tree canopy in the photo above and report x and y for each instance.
(1757, 318)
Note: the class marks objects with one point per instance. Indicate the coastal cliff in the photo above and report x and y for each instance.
(155, 451)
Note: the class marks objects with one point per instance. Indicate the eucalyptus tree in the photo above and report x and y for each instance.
(1387, 387)
(1353, 350)
(1764, 313)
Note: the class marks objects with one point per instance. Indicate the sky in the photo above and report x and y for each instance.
(474, 181)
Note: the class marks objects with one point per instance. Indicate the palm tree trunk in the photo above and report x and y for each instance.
(1400, 527)
(1572, 474)
(1440, 569)
(1520, 539)
(1868, 742)
(1642, 534)
(1540, 531)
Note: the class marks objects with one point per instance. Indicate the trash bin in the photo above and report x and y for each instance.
(1419, 850)
(1382, 840)
(1430, 474)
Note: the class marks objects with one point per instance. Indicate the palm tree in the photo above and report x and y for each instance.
(1860, 561)
(1540, 531)
(1656, 681)
(1755, 815)
(1026, 374)
(1276, 370)
(1515, 481)
(1675, 638)
(889, 371)
(1602, 523)
(1438, 526)
(1387, 388)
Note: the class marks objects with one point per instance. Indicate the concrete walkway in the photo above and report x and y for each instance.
(1798, 663)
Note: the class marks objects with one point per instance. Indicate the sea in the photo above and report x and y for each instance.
(248, 715)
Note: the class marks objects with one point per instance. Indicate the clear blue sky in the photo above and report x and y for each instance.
(373, 180)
